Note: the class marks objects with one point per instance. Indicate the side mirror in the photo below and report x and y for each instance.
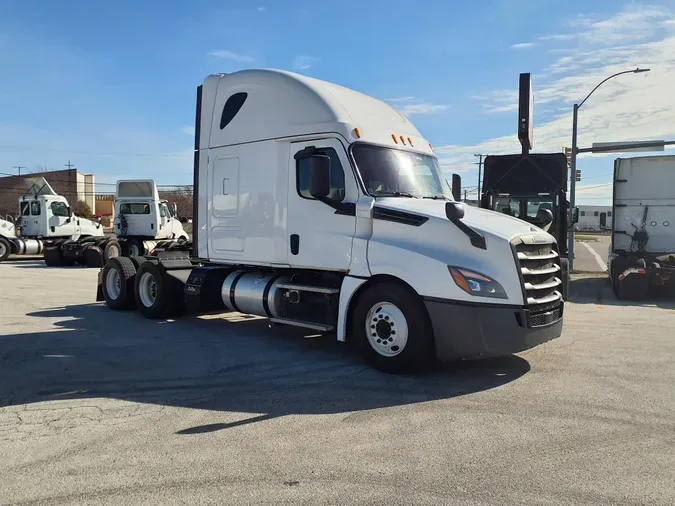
(575, 215)
(319, 176)
(457, 187)
(545, 216)
(454, 211)
(174, 209)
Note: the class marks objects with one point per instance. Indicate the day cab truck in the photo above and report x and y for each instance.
(143, 222)
(533, 188)
(320, 207)
(49, 227)
(642, 248)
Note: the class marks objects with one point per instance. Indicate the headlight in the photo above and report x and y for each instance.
(475, 283)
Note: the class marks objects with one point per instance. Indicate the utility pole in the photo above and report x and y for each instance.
(480, 167)
(465, 191)
(19, 167)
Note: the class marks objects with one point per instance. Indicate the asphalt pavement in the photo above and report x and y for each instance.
(102, 407)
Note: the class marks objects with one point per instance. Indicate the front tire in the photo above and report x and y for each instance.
(5, 249)
(391, 328)
(565, 271)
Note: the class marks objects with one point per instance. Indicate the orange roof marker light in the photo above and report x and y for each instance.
(431, 147)
(402, 140)
(393, 136)
(357, 133)
(410, 141)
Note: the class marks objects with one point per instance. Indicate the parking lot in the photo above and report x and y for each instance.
(100, 407)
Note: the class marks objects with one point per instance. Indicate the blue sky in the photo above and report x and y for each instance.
(111, 86)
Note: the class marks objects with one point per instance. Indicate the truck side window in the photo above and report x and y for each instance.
(25, 208)
(163, 210)
(35, 208)
(337, 176)
(59, 209)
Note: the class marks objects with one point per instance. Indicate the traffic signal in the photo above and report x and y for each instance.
(568, 155)
(578, 175)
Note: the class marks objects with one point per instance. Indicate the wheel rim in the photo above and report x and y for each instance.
(387, 329)
(133, 250)
(113, 284)
(3, 249)
(147, 289)
(113, 251)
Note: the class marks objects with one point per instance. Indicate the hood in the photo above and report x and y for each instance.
(7, 228)
(483, 220)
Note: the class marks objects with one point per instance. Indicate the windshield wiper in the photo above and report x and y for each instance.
(436, 197)
(385, 193)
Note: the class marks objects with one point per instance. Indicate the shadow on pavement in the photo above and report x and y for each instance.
(238, 365)
(598, 290)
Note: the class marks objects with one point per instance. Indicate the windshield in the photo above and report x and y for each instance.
(393, 172)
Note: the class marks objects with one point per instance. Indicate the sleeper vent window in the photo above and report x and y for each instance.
(231, 108)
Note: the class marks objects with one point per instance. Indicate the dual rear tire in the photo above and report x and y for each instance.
(138, 282)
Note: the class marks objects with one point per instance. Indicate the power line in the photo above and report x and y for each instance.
(95, 153)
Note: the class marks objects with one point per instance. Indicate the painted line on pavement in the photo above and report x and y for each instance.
(598, 258)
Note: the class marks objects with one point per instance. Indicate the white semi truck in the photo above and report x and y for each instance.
(49, 227)
(320, 207)
(642, 248)
(143, 222)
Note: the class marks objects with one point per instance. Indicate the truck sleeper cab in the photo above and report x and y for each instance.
(321, 207)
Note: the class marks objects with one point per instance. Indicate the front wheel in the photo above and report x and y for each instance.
(391, 328)
(5, 249)
(565, 274)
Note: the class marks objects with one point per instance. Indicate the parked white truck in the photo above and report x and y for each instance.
(642, 248)
(320, 207)
(49, 227)
(143, 222)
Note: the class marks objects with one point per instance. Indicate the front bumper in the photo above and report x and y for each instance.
(480, 330)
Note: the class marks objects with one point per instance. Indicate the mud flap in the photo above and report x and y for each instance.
(99, 289)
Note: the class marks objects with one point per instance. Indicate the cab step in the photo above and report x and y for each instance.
(321, 327)
(308, 288)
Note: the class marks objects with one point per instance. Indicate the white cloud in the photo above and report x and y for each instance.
(189, 130)
(629, 107)
(231, 55)
(408, 106)
(304, 61)
(523, 45)
(399, 99)
(422, 108)
(261, 9)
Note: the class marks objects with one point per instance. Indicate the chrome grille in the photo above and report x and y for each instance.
(541, 273)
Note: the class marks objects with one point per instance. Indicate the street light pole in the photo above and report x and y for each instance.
(573, 185)
(573, 158)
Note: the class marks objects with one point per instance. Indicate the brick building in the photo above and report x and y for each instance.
(70, 183)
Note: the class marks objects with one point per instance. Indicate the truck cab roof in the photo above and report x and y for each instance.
(260, 104)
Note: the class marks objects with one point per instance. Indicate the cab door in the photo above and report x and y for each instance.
(319, 236)
(59, 219)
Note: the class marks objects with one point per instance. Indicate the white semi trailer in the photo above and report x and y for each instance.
(320, 207)
(642, 249)
(49, 227)
(143, 222)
